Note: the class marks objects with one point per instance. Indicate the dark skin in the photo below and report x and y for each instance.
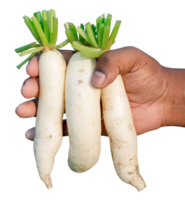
(149, 86)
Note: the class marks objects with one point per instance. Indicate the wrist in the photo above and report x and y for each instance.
(174, 105)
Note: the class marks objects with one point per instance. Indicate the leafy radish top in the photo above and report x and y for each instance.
(44, 28)
(93, 40)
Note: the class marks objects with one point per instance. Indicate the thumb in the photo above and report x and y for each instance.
(106, 70)
(112, 63)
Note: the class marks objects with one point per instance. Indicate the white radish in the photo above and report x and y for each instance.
(82, 113)
(48, 135)
(120, 129)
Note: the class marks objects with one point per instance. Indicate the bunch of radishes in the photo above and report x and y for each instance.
(81, 99)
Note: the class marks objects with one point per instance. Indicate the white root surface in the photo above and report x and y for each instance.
(83, 114)
(48, 135)
(120, 128)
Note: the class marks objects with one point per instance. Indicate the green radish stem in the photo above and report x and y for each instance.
(55, 33)
(46, 24)
(40, 31)
(100, 34)
(26, 47)
(52, 14)
(114, 33)
(70, 35)
(32, 28)
(109, 18)
(91, 35)
(86, 51)
(83, 34)
(71, 32)
(62, 44)
(35, 50)
(73, 28)
(105, 38)
(26, 60)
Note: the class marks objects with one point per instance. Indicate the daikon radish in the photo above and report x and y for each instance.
(52, 68)
(48, 132)
(120, 129)
(82, 113)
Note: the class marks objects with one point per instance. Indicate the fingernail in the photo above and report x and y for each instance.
(98, 79)
(27, 135)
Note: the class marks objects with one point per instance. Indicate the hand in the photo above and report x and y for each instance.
(27, 109)
(145, 80)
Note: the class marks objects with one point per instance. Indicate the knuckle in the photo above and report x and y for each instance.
(106, 58)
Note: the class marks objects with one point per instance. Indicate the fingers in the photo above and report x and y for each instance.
(32, 68)
(30, 88)
(112, 63)
(26, 110)
(30, 134)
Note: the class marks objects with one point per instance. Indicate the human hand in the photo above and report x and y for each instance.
(27, 109)
(146, 83)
